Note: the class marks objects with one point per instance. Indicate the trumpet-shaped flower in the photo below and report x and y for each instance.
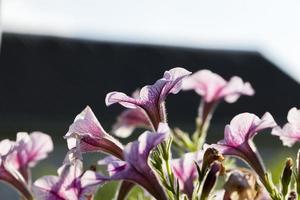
(290, 133)
(71, 183)
(87, 135)
(184, 169)
(214, 88)
(238, 138)
(28, 150)
(135, 167)
(8, 173)
(151, 98)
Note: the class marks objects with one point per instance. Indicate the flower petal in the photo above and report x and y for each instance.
(294, 117)
(71, 183)
(185, 170)
(235, 88)
(245, 126)
(86, 123)
(152, 96)
(87, 135)
(129, 120)
(32, 148)
(205, 83)
(214, 88)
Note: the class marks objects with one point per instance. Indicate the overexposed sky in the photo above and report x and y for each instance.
(271, 27)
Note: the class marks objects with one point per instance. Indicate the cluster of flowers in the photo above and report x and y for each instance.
(148, 161)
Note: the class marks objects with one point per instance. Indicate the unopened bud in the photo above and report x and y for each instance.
(211, 180)
(286, 176)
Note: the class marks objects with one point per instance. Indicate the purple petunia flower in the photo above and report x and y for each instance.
(184, 169)
(290, 133)
(87, 135)
(135, 167)
(71, 183)
(214, 88)
(238, 138)
(151, 98)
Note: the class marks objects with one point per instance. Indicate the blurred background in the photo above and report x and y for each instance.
(58, 56)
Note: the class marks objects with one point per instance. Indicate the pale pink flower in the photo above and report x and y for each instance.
(8, 173)
(214, 88)
(151, 98)
(238, 138)
(29, 150)
(290, 132)
(87, 135)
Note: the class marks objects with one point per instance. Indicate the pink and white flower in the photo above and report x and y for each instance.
(238, 137)
(185, 170)
(290, 132)
(71, 183)
(29, 149)
(151, 98)
(87, 135)
(17, 157)
(214, 88)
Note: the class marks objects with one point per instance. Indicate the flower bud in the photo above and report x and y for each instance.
(211, 179)
(286, 176)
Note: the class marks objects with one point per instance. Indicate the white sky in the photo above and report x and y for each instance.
(271, 27)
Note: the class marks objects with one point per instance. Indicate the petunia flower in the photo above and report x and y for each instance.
(238, 139)
(151, 98)
(185, 171)
(290, 133)
(135, 167)
(28, 150)
(71, 183)
(87, 135)
(214, 88)
(8, 173)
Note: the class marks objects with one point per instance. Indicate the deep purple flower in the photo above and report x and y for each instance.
(214, 88)
(184, 169)
(71, 183)
(290, 133)
(151, 98)
(238, 138)
(135, 167)
(87, 135)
